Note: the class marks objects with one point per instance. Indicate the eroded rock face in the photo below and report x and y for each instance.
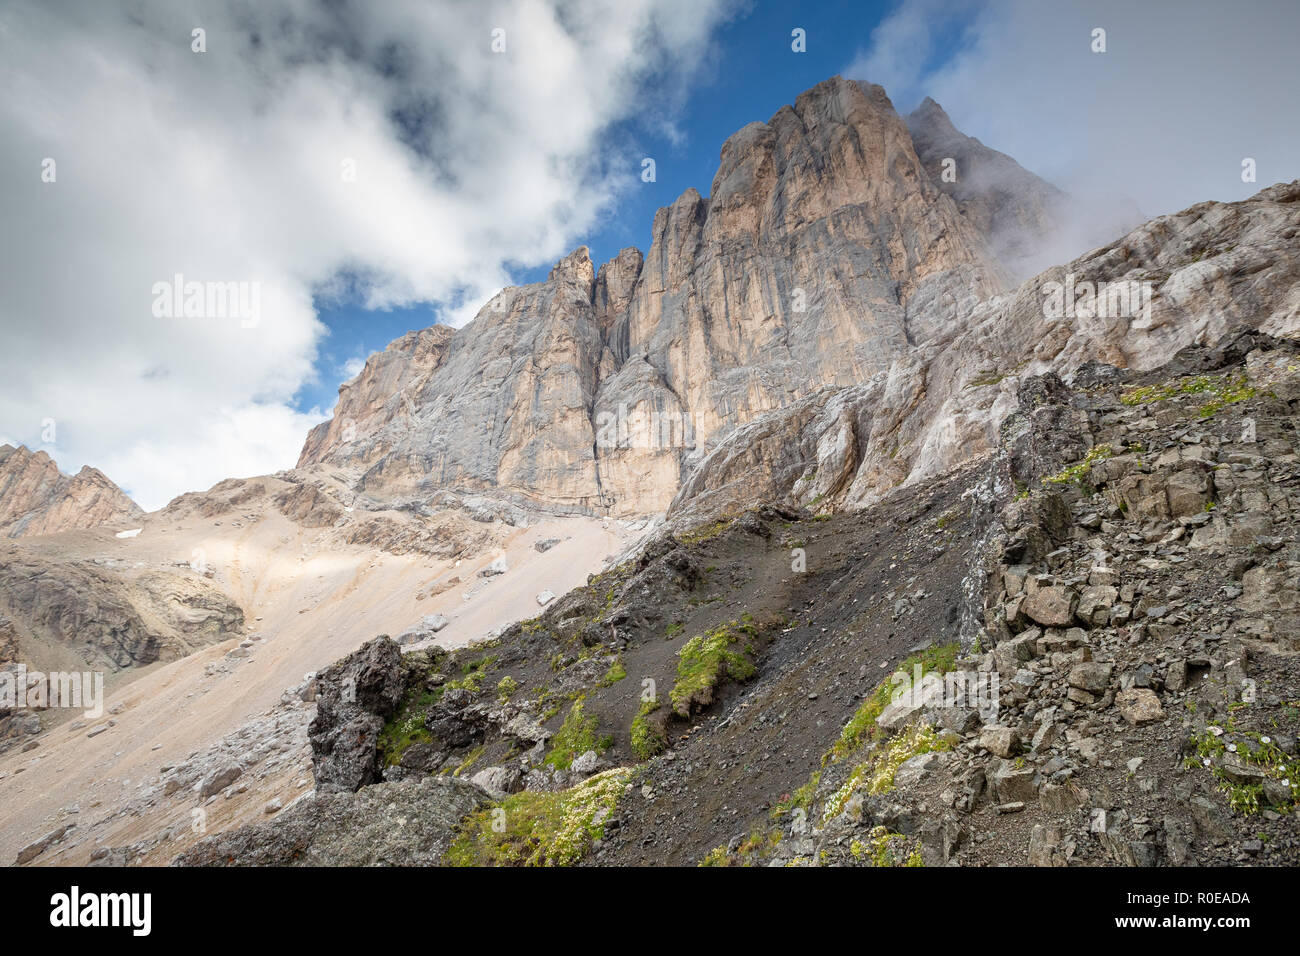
(1210, 268)
(504, 404)
(830, 322)
(36, 498)
(108, 615)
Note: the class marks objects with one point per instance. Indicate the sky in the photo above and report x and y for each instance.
(336, 173)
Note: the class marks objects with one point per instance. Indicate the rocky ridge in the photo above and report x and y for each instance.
(36, 498)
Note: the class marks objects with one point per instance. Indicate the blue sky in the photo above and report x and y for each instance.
(753, 73)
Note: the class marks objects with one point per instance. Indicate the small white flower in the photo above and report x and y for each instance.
(1266, 740)
(1206, 761)
(1232, 748)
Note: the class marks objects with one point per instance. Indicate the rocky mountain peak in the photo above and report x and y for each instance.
(36, 498)
(575, 268)
(1014, 209)
(822, 242)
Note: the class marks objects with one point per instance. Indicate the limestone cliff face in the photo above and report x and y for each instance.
(822, 254)
(381, 392)
(36, 498)
(505, 404)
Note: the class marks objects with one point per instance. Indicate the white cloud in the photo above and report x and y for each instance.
(1185, 90)
(228, 166)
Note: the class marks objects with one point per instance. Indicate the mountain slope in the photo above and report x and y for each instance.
(1094, 689)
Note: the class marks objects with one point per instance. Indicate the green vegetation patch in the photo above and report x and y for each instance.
(862, 727)
(882, 848)
(469, 760)
(575, 737)
(801, 799)
(1239, 761)
(407, 725)
(1224, 390)
(706, 531)
(472, 674)
(648, 737)
(540, 829)
(1076, 473)
(506, 688)
(876, 773)
(615, 673)
(707, 660)
(755, 850)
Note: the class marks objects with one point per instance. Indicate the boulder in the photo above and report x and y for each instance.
(404, 823)
(34, 849)
(1095, 603)
(1052, 605)
(1012, 784)
(219, 778)
(1139, 705)
(498, 566)
(1091, 676)
(499, 781)
(914, 770)
(1002, 741)
(1189, 491)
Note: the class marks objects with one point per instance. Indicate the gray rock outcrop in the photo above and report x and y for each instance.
(354, 698)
